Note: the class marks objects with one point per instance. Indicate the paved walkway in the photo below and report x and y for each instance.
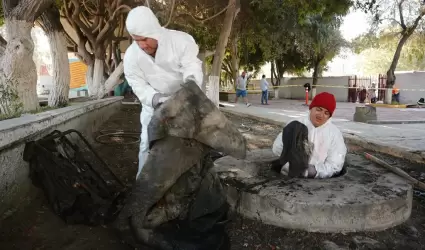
(403, 140)
(345, 110)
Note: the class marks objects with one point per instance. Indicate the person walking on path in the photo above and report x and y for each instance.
(264, 85)
(241, 89)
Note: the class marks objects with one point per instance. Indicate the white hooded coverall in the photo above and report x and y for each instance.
(329, 149)
(175, 62)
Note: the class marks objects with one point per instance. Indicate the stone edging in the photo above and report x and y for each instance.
(19, 129)
(397, 151)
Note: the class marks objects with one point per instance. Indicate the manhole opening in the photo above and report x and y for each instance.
(342, 173)
(264, 170)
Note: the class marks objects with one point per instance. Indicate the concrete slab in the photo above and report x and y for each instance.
(400, 140)
(366, 198)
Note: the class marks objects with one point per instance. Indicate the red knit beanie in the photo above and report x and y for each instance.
(324, 100)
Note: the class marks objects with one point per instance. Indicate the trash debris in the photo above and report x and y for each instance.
(78, 184)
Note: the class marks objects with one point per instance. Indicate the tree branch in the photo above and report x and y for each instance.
(3, 44)
(109, 24)
(171, 14)
(49, 20)
(28, 10)
(208, 18)
(400, 11)
(417, 20)
(76, 19)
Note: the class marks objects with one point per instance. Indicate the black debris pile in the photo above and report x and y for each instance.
(78, 184)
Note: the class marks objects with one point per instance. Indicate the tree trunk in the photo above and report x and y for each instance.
(99, 70)
(89, 79)
(18, 75)
(50, 22)
(406, 33)
(59, 96)
(235, 59)
(316, 70)
(396, 57)
(275, 74)
(214, 79)
(315, 74)
(113, 80)
(203, 56)
(390, 73)
(95, 77)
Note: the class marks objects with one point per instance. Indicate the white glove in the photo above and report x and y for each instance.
(158, 99)
(163, 99)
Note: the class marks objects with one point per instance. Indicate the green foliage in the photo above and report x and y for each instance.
(1, 14)
(10, 103)
(251, 57)
(267, 30)
(287, 31)
(376, 51)
(322, 41)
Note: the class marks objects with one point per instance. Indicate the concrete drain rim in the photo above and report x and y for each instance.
(366, 198)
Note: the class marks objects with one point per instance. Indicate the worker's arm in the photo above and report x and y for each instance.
(335, 160)
(191, 66)
(136, 79)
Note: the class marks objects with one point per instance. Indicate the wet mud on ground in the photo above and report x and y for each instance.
(34, 226)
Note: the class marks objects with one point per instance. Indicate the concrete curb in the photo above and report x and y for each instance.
(397, 151)
(396, 122)
(397, 106)
(366, 198)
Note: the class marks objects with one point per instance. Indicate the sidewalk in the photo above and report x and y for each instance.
(401, 140)
(345, 110)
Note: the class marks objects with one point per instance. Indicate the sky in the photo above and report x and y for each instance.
(355, 23)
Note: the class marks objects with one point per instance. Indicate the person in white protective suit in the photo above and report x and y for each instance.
(326, 143)
(156, 64)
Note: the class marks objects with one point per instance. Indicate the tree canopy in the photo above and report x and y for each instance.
(404, 17)
(292, 35)
(376, 51)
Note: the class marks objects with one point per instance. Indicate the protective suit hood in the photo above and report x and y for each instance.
(141, 21)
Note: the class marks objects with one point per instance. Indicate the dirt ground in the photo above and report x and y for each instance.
(36, 227)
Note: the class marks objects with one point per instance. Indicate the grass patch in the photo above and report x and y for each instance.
(5, 117)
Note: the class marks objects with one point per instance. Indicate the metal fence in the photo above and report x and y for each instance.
(359, 86)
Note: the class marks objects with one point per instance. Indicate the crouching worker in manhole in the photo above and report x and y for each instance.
(312, 146)
(176, 202)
